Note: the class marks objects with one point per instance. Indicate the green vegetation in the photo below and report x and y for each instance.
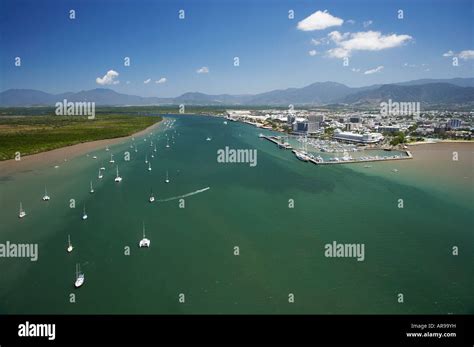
(397, 139)
(39, 133)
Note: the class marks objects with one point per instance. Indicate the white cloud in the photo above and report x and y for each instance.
(128, 82)
(363, 41)
(319, 21)
(350, 21)
(109, 78)
(367, 23)
(372, 71)
(147, 81)
(355, 70)
(410, 65)
(466, 55)
(204, 69)
(161, 80)
(312, 52)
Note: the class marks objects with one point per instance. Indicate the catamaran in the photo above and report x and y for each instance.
(22, 212)
(152, 197)
(167, 180)
(144, 242)
(92, 188)
(69, 245)
(84, 214)
(118, 178)
(79, 277)
(112, 159)
(45, 196)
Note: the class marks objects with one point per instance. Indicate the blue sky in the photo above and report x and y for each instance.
(59, 54)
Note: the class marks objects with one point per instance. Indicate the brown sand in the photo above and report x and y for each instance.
(58, 156)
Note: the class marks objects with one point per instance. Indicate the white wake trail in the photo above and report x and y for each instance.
(185, 195)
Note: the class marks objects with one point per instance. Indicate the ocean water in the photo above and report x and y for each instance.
(282, 250)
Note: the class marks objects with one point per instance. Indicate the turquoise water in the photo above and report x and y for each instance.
(192, 249)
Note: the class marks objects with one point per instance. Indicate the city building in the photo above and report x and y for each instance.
(347, 136)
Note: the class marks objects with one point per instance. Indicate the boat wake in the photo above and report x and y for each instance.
(185, 195)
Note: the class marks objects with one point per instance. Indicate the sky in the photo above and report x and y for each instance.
(279, 44)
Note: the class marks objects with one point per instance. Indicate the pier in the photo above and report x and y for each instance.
(276, 141)
(317, 162)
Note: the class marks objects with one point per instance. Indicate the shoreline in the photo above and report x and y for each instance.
(60, 155)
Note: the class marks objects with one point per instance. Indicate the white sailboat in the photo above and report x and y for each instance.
(208, 139)
(146, 159)
(100, 174)
(149, 166)
(84, 214)
(92, 188)
(118, 178)
(144, 242)
(112, 159)
(154, 149)
(167, 180)
(167, 143)
(69, 245)
(107, 148)
(152, 197)
(102, 167)
(22, 212)
(136, 150)
(151, 143)
(45, 196)
(79, 277)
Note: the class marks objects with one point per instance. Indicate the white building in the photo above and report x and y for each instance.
(357, 138)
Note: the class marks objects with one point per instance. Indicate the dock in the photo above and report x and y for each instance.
(408, 153)
(276, 141)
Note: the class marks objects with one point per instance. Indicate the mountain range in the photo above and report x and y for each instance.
(425, 91)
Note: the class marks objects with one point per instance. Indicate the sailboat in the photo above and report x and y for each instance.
(118, 178)
(112, 159)
(167, 143)
(107, 148)
(149, 166)
(79, 277)
(146, 159)
(100, 174)
(45, 196)
(154, 149)
(136, 150)
(152, 197)
(208, 139)
(92, 188)
(22, 212)
(69, 245)
(167, 180)
(144, 242)
(102, 167)
(151, 143)
(84, 214)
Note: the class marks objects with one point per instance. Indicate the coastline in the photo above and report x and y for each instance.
(59, 155)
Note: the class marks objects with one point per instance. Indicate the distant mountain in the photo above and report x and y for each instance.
(101, 96)
(316, 93)
(429, 91)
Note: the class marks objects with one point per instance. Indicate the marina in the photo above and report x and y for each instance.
(305, 156)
